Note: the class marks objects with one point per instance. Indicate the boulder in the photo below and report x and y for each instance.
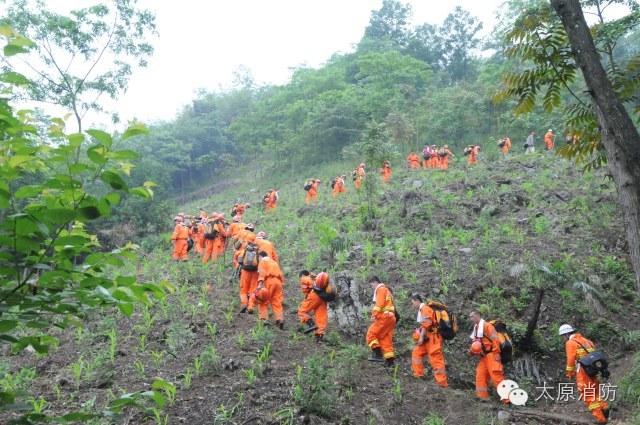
(350, 310)
(417, 184)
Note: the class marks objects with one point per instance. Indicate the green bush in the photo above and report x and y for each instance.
(314, 390)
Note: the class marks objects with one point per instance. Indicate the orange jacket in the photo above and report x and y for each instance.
(413, 158)
(548, 137)
(490, 340)
(338, 186)
(576, 348)
(314, 189)
(267, 246)
(180, 232)
(427, 318)
(235, 229)
(383, 301)
(268, 270)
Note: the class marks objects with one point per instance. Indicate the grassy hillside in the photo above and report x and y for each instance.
(488, 237)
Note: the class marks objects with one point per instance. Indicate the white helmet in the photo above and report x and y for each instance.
(550, 130)
(565, 329)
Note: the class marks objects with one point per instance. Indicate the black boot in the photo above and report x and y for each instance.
(280, 324)
(376, 355)
(243, 309)
(606, 413)
(319, 338)
(311, 326)
(390, 362)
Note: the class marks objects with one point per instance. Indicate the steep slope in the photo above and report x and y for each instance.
(488, 237)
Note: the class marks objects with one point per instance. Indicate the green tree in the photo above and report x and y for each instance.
(390, 23)
(77, 59)
(460, 34)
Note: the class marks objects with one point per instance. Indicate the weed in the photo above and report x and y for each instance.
(210, 359)
(285, 416)
(197, 366)
(313, 390)
(142, 343)
(261, 335)
(433, 419)
(138, 365)
(112, 334)
(187, 378)
(157, 357)
(397, 386)
(38, 405)
(212, 331)
(250, 374)
(77, 369)
(241, 340)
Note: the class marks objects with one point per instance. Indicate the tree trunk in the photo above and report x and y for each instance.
(527, 341)
(619, 135)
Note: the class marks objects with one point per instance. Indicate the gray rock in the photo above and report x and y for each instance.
(350, 310)
(417, 184)
(503, 416)
(466, 251)
(516, 270)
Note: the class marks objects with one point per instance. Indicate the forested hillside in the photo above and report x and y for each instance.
(101, 321)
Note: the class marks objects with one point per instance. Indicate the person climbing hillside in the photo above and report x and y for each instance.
(270, 200)
(530, 143)
(383, 316)
(338, 186)
(312, 312)
(428, 343)
(472, 152)
(358, 176)
(267, 246)
(578, 349)
(180, 239)
(271, 278)
(239, 209)
(386, 171)
(236, 227)
(311, 187)
(485, 345)
(444, 155)
(413, 161)
(505, 145)
(549, 140)
(248, 261)
(306, 282)
(427, 153)
(215, 236)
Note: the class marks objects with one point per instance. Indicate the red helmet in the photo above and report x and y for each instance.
(261, 295)
(322, 280)
(476, 347)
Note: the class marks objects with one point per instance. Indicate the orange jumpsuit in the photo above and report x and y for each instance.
(431, 347)
(444, 161)
(489, 366)
(306, 283)
(248, 284)
(198, 240)
(213, 248)
(359, 177)
(270, 274)
(413, 161)
(179, 237)
(235, 229)
(472, 158)
(270, 201)
(269, 248)
(312, 194)
(240, 209)
(316, 305)
(506, 147)
(380, 333)
(548, 140)
(385, 172)
(338, 188)
(576, 348)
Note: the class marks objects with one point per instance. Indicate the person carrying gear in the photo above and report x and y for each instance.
(548, 140)
(358, 176)
(215, 236)
(383, 316)
(270, 200)
(444, 155)
(530, 143)
(428, 343)
(577, 347)
(312, 192)
(270, 276)
(426, 156)
(306, 282)
(472, 152)
(385, 171)
(248, 250)
(505, 145)
(236, 227)
(267, 246)
(338, 186)
(485, 345)
(413, 161)
(314, 305)
(180, 239)
(239, 209)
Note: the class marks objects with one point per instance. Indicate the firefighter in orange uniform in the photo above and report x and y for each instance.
(267, 246)
(314, 305)
(358, 176)
(383, 316)
(271, 278)
(577, 347)
(385, 171)
(548, 140)
(312, 193)
(413, 161)
(428, 343)
(485, 344)
(338, 186)
(270, 200)
(180, 237)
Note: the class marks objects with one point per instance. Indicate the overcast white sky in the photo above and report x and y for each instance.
(201, 43)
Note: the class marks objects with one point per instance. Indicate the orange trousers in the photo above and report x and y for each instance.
(213, 248)
(248, 285)
(276, 298)
(548, 144)
(472, 160)
(314, 304)
(311, 197)
(432, 348)
(198, 244)
(589, 390)
(358, 183)
(380, 334)
(337, 192)
(386, 176)
(180, 250)
(489, 369)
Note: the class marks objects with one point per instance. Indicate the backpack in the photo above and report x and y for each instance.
(189, 244)
(447, 321)
(594, 363)
(328, 294)
(234, 211)
(307, 186)
(333, 183)
(354, 174)
(250, 258)
(467, 150)
(506, 344)
(210, 231)
(426, 153)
